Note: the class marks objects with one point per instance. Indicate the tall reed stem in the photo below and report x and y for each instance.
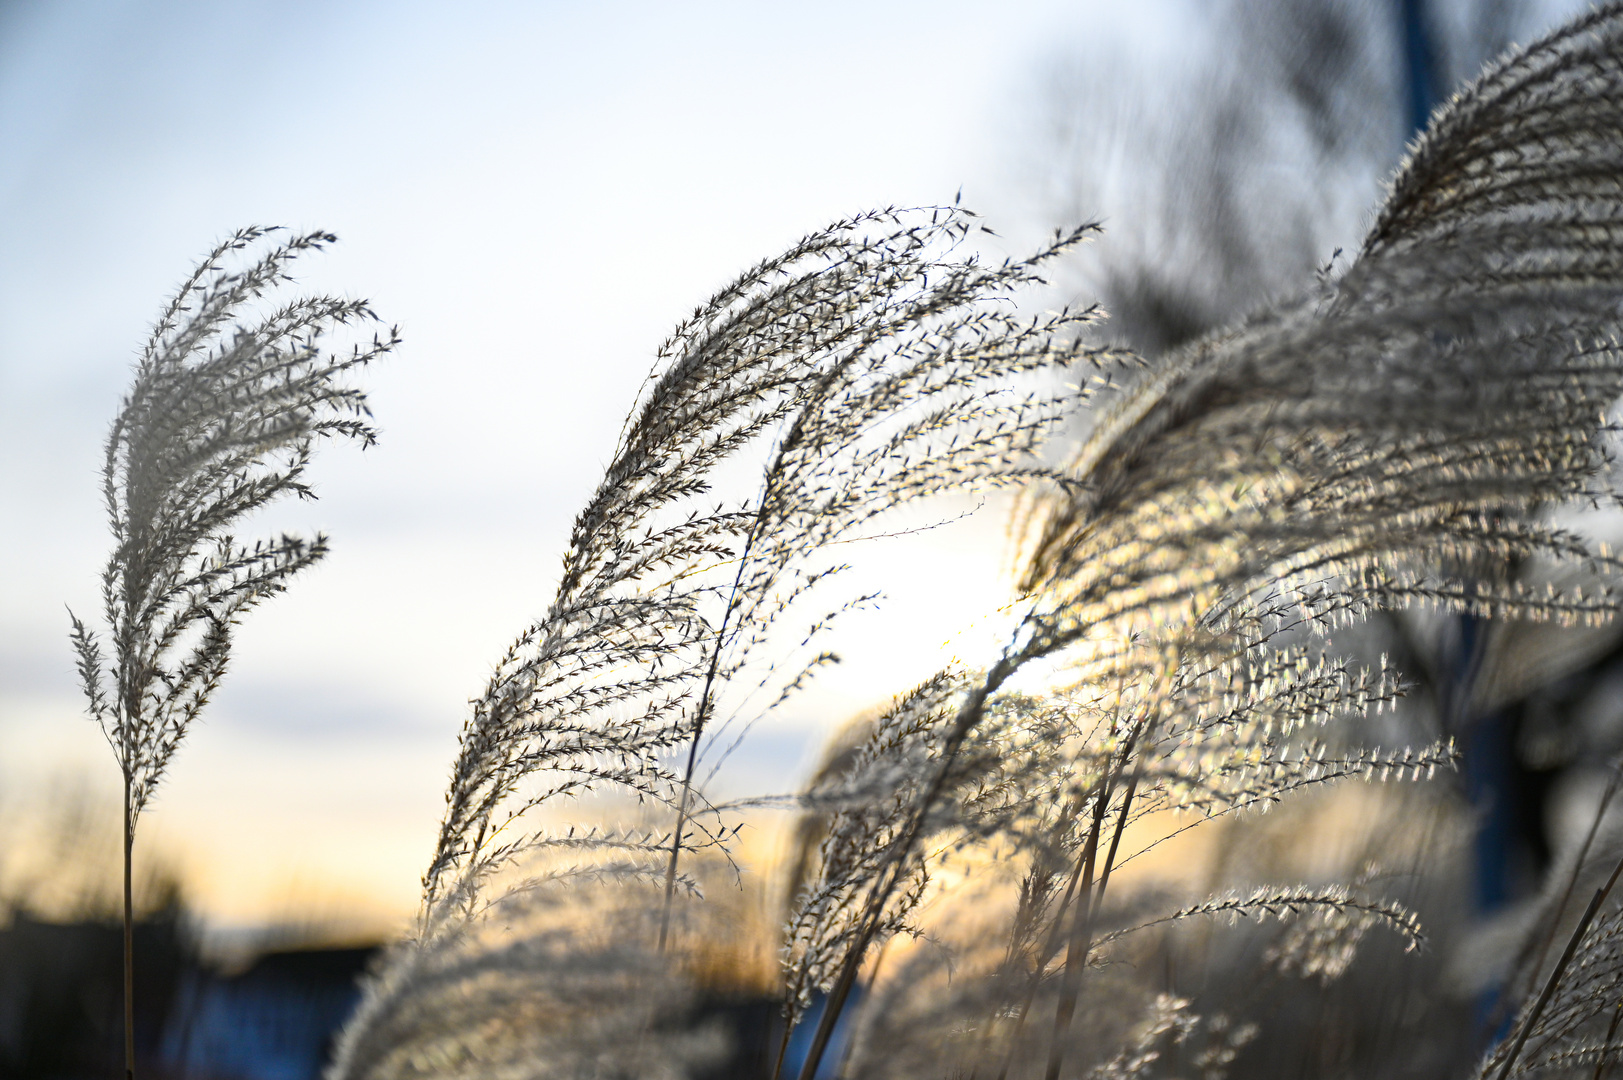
(873, 911)
(1076, 953)
(1050, 944)
(703, 714)
(129, 939)
(1526, 1027)
(1088, 899)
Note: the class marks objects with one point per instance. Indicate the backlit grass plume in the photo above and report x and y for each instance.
(875, 363)
(232, 393)
(868, 366)
(1394, 438)
(1376, 444)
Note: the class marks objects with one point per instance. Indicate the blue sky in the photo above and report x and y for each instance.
(536, 193)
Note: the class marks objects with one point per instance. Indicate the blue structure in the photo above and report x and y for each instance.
(800, 1040)
(275, 1021)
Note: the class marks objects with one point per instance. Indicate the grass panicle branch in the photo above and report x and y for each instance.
(232, 393)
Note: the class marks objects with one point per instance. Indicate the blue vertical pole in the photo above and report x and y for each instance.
(1488, 740)
(1420, 62)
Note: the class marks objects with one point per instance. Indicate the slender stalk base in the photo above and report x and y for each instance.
(676, 839)
(969, 714)
(129, 941)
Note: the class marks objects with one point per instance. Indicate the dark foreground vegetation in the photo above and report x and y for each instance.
(61, 1009)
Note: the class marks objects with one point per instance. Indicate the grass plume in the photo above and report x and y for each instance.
(232, 393)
